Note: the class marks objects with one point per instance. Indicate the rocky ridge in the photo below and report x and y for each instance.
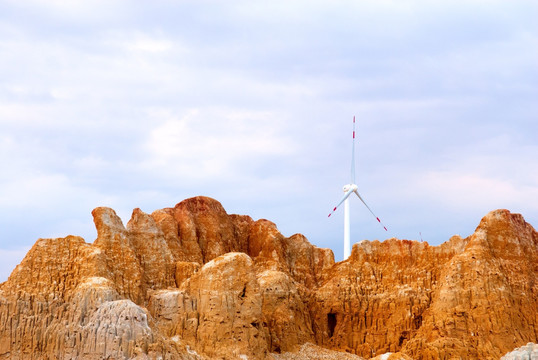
(193, 282)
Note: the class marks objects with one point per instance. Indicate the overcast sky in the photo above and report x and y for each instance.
(144, 104)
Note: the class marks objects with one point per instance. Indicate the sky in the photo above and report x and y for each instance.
(137, 104)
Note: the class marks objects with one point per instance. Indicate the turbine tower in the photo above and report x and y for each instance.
(348, 190)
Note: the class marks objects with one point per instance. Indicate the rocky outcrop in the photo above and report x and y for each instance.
(193, 282)
(486, 297)
(473, 298)
(527, 352)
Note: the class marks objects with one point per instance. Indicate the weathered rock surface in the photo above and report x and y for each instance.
(192, 282)
(527, 352)
(473, 298)
(310, 351)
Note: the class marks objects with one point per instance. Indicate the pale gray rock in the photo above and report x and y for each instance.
(527, 352)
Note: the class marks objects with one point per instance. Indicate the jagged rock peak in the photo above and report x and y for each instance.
(193, 282)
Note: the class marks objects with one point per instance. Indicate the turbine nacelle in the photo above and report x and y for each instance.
(350, 187)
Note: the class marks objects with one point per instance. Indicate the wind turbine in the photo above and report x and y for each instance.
(348, 190)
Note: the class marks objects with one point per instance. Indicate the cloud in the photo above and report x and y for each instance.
(142, 106)
(147, 44)
(76, 11)
(472, 191)
(218, 143)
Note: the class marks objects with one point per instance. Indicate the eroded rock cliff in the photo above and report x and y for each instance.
(193, 282)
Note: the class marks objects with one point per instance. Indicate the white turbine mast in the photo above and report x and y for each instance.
(348, 190)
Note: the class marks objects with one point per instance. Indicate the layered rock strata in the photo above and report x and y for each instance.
(192, 282)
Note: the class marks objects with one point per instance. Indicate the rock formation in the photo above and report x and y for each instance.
(527, 352)
(473, 298)
(192, 282)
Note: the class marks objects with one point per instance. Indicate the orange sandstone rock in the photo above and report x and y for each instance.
(486, 297)
(192, 282)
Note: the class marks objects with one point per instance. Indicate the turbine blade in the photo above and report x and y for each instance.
(364, 202)
(353, 155)
(346, 195)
